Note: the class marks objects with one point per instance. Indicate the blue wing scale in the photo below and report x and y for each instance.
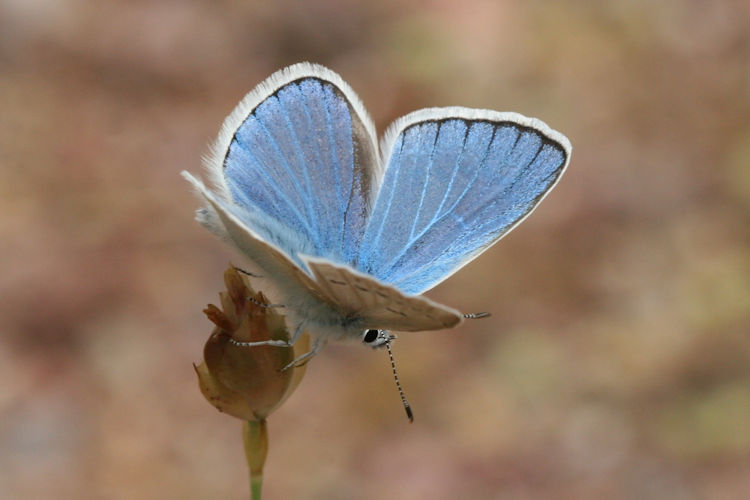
(296, 175)
(451, 189)
(300, 168)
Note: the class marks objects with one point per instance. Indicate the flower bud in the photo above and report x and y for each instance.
(246, 381)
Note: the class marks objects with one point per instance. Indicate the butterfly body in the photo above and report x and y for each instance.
(348, 234)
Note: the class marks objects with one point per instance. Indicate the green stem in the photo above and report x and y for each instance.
(255, 439)
(256, 485)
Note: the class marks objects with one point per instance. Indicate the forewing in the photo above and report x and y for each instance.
(284, 273)
(298, 157)
(456, 181)
(376, 304)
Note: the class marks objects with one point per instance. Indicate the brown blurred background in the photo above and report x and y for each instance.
(617, 360)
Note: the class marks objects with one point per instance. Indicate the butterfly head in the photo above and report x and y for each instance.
(382, 338)
(377, 338)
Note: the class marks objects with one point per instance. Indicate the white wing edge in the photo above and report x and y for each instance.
(432, 114)
(216, 226)
(206, 215)
(214, 161)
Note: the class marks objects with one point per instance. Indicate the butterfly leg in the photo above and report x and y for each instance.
(277, 343)
(247, 273)
(297, 332)
(263, 304)
(301, 361)
(256, 302)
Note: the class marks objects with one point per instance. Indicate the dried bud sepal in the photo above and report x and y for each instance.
(247, 382)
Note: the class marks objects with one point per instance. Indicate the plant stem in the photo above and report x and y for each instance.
(256, 485)
(255, 439)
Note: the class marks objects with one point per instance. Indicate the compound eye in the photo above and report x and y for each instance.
(371, 337)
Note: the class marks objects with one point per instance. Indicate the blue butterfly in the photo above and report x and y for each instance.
(348, 234)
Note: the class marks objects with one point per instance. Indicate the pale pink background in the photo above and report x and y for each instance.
(616, 363)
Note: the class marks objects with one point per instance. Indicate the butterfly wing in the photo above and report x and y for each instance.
(377, 304)
(294, 171)
(456, 181)
(273, 260)
(340, 292)
(298, 159)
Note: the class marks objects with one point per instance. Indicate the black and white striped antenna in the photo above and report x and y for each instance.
(398, 384)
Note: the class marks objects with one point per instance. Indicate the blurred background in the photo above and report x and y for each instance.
(617, 360)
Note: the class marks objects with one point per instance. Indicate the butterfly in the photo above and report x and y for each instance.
(349, 234)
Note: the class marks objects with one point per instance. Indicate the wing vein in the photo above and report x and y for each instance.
(301, 158)
(337, 168)
(506, 190)
(426, 229)
(426, 181)
(450, 183)
(388, 206)
(284, 161)
(303, 222)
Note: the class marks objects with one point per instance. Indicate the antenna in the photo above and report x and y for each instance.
(398, 384)
(479, 315)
